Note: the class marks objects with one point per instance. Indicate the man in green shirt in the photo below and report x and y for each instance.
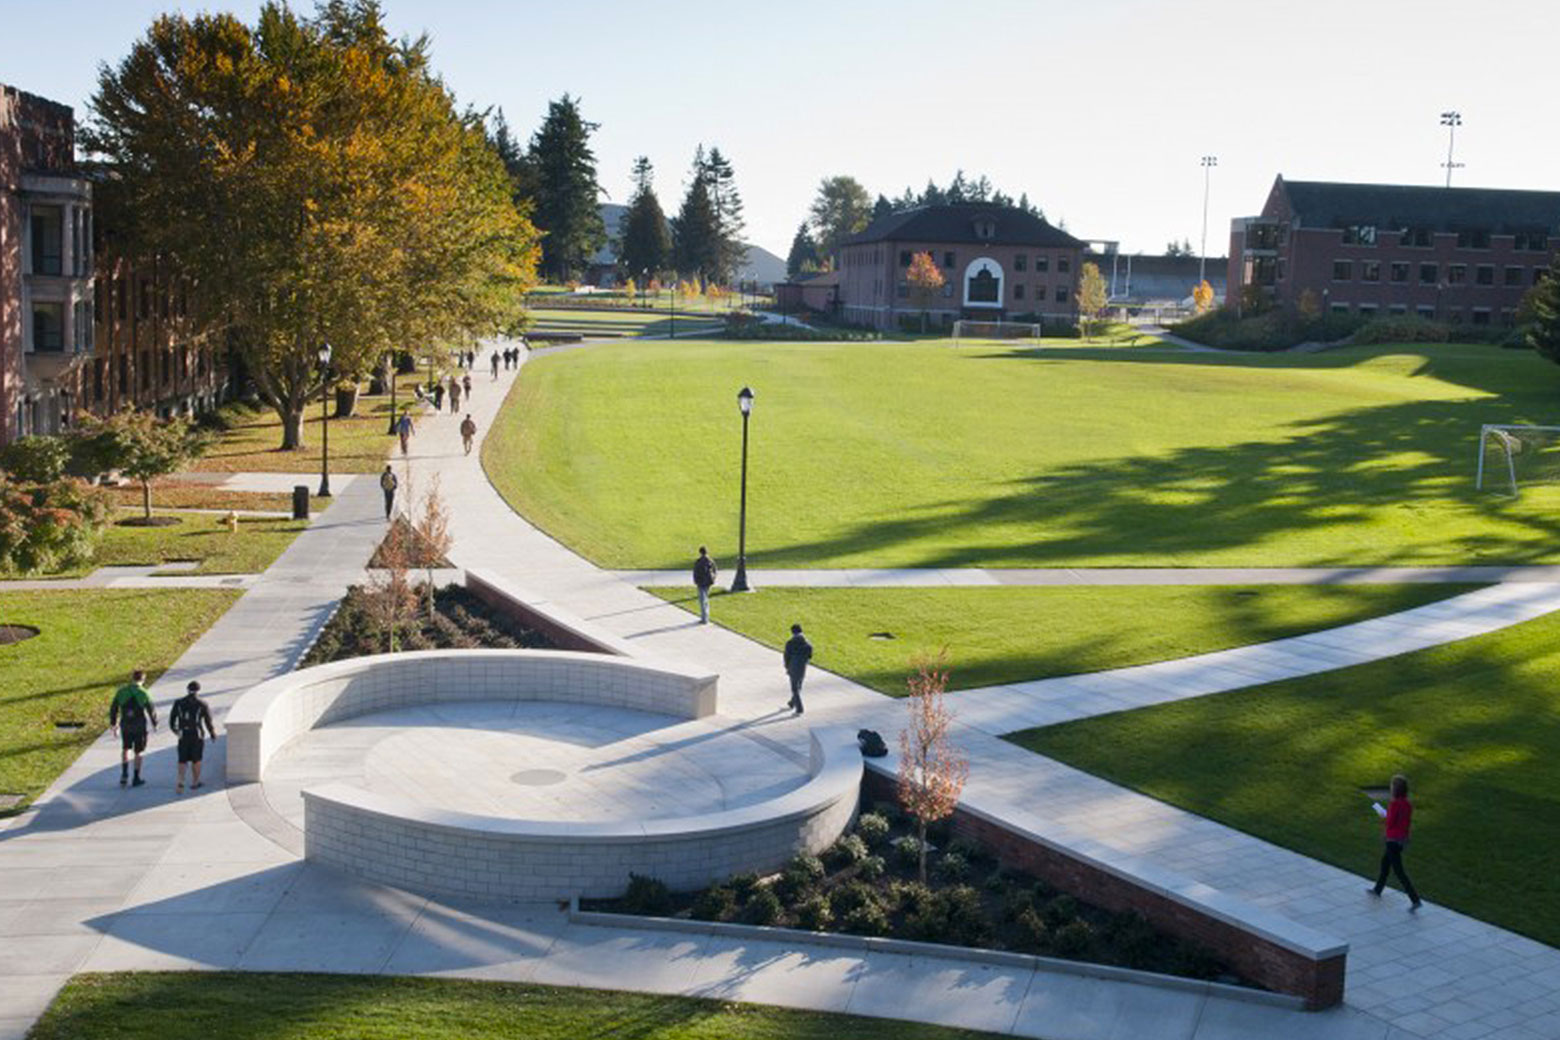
(128, 714)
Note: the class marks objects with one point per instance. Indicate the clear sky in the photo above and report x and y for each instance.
(1099, 109)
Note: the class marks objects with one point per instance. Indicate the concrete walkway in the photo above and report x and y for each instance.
(933, 577)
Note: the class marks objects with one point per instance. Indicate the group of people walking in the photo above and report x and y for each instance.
(798, 650)
(131, 711)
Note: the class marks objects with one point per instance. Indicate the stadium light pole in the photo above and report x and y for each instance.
(324, 356)
(740, 582)
(1208, 163)
(1450, 120)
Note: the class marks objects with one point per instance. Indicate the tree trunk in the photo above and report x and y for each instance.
(146, 498)
(921, 834)
(292, 428)
(346, 401)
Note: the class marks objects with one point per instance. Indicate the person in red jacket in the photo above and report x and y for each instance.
(1396, 825)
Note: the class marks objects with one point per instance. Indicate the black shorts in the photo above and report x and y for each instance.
(132, 739)
(191, 749)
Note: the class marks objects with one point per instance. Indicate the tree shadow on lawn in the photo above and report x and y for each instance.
(1327, 473)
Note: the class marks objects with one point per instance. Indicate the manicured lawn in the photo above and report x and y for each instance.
(626, 322)
(173, 493)
(89, 642)
(357, 445)
(1474, 725)
(922, 454)
(234, 1006)
(1009, 634)
(202, 537)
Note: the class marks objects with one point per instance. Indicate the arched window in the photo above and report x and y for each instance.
(983, 283)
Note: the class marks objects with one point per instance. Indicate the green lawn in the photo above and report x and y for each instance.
(201, 537)
(89, 642)
(1475, 725)
(1009, 634)
(923, 454)
(613, 323)
(357, 445)
(235, 1006)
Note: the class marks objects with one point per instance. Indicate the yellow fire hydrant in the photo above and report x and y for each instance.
(231, 520)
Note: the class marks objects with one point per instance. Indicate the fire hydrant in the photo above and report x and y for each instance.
(232, 521)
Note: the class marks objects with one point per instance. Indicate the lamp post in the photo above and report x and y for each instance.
(740, 582)
(324, 356)
(671, 310)
(1208, 163)
(1450, 120)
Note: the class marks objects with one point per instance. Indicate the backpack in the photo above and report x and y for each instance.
(184, 719)
(132, 713)
(703, 571)
(871, 742)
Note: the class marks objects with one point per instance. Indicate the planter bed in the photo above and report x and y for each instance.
(460, 621)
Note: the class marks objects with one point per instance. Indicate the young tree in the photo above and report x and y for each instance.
(140, 446)
(696, 232)
(803, 255)
(1091, 297)
(388, 597)
(925, 279)
(1202, 296)
(567, 209)
(646, 241)
(1543, 302)
(432, 535)
(841, 208)
(931, 770)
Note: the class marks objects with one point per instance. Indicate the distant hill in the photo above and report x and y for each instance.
(762, 266)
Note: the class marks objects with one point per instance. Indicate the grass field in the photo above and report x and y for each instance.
(1009, 634)
(201, 537)
(173, 493)
(892, 454)
(1475, 725)
(357, 445)
(89, 641)
(233, 1006)
(613, 322)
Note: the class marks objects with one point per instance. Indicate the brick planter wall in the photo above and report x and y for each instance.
(566, 631)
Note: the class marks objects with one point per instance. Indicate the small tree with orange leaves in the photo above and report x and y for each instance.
(931, 770)
(1202, 296)
(432, 535)
(925, 280)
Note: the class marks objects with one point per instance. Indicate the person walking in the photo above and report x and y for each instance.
(454, 397)
(188, 714)
(704, 571)
(127, 716)
(495, 364)
(388, 483)
(404, 429)
(438, 394)
(466, 382)
(798, 651)
(1397, 819)
(468, 432)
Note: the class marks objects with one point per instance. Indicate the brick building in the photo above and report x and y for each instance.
(998, 263)
(1451, 254)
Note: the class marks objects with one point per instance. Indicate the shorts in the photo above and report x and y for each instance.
(132, 739)
(191, 749)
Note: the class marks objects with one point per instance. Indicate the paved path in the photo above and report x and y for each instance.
(932, 577)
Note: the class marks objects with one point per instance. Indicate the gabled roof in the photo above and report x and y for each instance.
(957, 223)
(1325, 204)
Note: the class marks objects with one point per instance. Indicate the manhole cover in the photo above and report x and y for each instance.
(539, 777)
(881, 635)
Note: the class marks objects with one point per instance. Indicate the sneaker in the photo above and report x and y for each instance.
(178, 788)
(1413, 907)
(1373, 892)
(137, 782)
(123, 779)
(196, 786)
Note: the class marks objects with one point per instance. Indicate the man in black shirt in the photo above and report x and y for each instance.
(188, 715)
(798, 651)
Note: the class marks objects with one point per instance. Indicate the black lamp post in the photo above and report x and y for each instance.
(740, 582)
(672, 309)
(325, 385)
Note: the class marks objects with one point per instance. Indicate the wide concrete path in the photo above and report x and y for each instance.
(933, 577)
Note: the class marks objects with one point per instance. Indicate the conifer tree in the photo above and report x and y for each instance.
(646, 244)
(882, 207)
(567, 210)
(1543, 302)
(721, 182)
(804, 253)
(696, 232)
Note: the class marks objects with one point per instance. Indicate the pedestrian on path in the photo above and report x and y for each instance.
(798, 651)
(127, 715)
(468, 432)
(1397, 819)
(495, 364)
(188, 714)
(466, 382)
(704, 571)
(404, 429)
(388, 484)
(438, 395)
(454, 397)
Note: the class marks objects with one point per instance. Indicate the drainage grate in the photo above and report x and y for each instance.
(70, 724)
(881, 635)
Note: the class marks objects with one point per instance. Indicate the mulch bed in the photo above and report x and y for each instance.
(460, 621)
(16, 633)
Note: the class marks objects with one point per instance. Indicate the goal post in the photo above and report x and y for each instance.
(969, 329)
(1514, 454)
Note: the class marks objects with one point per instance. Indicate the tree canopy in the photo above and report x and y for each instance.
(1543, 302)
(567, 194)
(841, 208)
(803, 255)
(645, 243)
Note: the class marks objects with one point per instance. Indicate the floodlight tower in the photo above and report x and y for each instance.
(1208, 163)
(1451, 120)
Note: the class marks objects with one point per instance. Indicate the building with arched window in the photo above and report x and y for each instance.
(997, 263)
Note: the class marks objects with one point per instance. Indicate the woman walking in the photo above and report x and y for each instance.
(1397, 818)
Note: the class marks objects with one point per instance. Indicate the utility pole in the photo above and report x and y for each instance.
(1208, 163)
(1451, 120)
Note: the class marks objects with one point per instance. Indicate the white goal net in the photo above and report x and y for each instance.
(994, 330)
(1512, 457)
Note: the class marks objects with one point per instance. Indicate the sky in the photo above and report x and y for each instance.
(1099, 110)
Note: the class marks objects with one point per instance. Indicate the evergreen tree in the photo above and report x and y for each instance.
(882, 207)
(906, 201)
(696, 231)
(521, 174)
(1543, 302)
(958, 189)
(803, 255)
(721, 182)
(566, 191)
(933, 195)
(645, 242)
(1029, 207)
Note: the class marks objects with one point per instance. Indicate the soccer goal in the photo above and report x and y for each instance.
(994, 330)
(1511, 457)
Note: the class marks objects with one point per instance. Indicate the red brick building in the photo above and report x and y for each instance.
(1460, 255)
(998, 263)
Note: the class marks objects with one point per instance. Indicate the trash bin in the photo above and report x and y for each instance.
(300, 501)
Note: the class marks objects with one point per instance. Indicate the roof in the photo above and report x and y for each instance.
(957, 223)
(1325, 204)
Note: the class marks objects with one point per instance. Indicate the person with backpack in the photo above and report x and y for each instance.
(798, 651)
(704, 571)
(127, 716)
(468, 432)
(388, 483)
(188, 714)
(465, 381)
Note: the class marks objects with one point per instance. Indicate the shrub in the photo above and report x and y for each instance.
(814, 913)
(1072, 939)
(763, 907)
(800, 875)
(910, 896)
(1034, 928)
(908, 851)
(1016, 903)
(810, 867)
(953, 915)
(36, 459)
(1402, 328)
(646, 895)
(873, 828)
(1060, 911)
(715, 904)
(971, 852)
(49, 527)
(852, 896)
(743, 885)
(1132, 940)
(871, 868)
(850, 849)
(952, 867)
(869, 919)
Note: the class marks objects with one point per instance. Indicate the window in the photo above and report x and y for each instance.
(1366, 310)
(48, 331)
(1473, 238)
(97, 306)
(1425, 311)
(983, 287)
(1419, 238)
(1061, 294)
(1343, 270)
(1018, 292)
(1399, 272)
(904, 258)
(1359, 235)
(1020, 262)
(1041, 293)
(145, 368)
(97, 380)
(1427, 273)
(48, 235)
(1456, 274)
(1531, 242)
(1063, 265)
(1484, 274)
(1481, 315)
(1516, 275)
(124, 373)
(1397, 310)
(1508, 316)
(903, 290)
(1042, 264)
(1370, 270)
(985, 228)
(948, 259)
(1340, 308)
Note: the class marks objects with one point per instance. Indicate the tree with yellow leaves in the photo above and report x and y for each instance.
(1202, 296)
(925, 279)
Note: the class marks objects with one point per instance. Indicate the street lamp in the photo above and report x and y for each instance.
(1208, 163)
(671, 309)
(740, 582)
(1450, 120)
(324, 356)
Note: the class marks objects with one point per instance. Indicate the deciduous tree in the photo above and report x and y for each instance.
(1091, 297)
(925, 279)
(931, 770)
(1543, 302)
(841, 208)
(140, 446)
(1202, 296)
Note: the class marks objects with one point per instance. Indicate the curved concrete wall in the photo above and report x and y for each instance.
(438, 852)
(271, 714)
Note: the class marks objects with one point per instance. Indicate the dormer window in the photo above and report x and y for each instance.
(985, 228)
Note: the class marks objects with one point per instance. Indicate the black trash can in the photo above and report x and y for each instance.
(300, 501)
